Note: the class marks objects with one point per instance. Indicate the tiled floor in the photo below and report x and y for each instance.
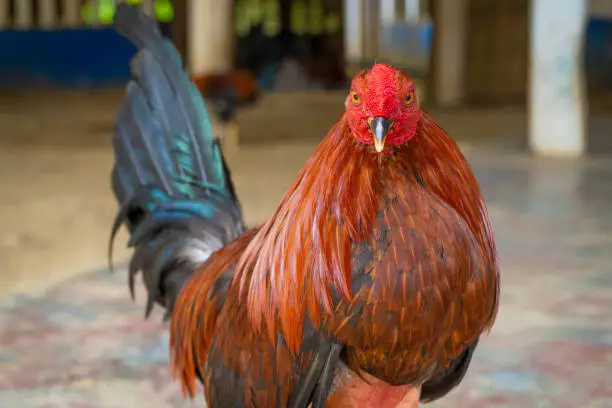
(74, 340)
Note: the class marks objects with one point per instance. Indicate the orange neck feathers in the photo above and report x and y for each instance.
(304, 248)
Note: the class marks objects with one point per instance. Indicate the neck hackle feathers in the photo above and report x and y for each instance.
(304, 248)
(302, 254)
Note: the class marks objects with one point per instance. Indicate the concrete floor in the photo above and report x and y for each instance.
(71, 337)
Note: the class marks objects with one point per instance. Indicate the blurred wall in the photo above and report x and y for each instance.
(35, 50)
(63, 57)
(45, 42)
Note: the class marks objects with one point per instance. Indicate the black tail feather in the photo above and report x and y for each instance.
(170, 178)
(443, 383)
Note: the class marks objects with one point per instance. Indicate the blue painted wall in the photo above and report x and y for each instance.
(64, 57)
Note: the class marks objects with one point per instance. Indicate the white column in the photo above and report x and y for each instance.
(557, 106)
(353, 30)
(371, 28)
(24, 14)
(387, 11)
(449, 48)
(72, 13)
(209, 40)
(4, 17)
(46, 13)
(412, 9)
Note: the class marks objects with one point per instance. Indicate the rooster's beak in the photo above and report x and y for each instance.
(380, 126)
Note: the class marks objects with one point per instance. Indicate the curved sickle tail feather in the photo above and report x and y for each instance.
(170, 178)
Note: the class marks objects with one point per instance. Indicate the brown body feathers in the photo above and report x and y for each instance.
(391, 256)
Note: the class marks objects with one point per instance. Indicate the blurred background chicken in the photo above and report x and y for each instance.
(225, 93)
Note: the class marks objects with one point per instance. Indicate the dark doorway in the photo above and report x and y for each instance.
(497, 51)
(308, 35)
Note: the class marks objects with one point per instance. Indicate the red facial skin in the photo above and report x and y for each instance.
(388, 92)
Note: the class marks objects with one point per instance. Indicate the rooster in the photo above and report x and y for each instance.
(369, 286)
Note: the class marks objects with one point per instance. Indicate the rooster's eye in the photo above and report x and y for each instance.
(409, 98)
(355, 98)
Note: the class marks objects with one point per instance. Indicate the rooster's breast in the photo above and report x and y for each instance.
(422, 291)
